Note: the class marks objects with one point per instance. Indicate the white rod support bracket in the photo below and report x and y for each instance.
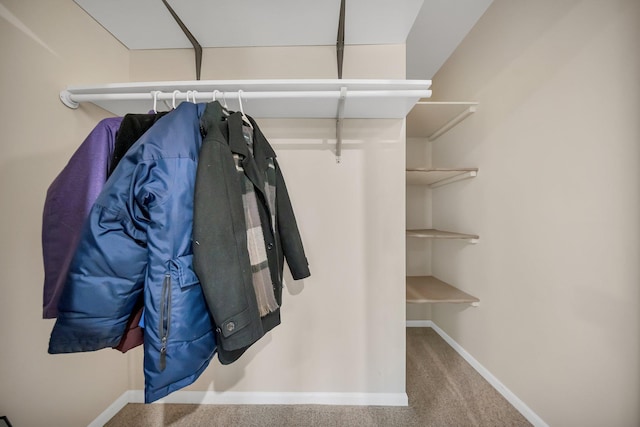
(65, 97)
(475, 304)
(339, 120)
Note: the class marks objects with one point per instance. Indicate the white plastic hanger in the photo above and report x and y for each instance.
(225, 111)
(173, 99)
(192, 93)
(155, 101)
(245, 119)
(224, 101)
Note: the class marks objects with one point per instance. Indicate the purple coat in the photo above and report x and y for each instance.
(69, 200)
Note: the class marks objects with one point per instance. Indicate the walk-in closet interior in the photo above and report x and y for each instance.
(469, 167)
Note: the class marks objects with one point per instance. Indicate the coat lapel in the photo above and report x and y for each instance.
(255, 165)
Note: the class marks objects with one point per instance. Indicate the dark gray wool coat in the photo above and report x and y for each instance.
(221, 258)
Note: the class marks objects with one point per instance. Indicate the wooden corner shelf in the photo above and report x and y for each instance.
(431, 119)
(428, 289)
(438, 177)
(431, 233)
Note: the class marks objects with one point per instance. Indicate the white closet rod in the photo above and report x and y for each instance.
(371, 94)
(72, 100)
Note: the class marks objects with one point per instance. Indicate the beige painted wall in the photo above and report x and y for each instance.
(556, 204)
(44, 46)
(343, 328)
(283, 62)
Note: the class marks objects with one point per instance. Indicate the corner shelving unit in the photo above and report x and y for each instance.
(430, 120)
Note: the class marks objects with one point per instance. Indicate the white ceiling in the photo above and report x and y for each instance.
(432, 29)
(147, 24)
(438, 29)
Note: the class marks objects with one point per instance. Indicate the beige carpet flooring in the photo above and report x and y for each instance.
(443, 389)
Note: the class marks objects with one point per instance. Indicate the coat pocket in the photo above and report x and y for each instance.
(189, 316)
(182, 271)
(165, 318)
(182, 316)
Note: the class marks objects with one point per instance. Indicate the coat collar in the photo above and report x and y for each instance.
(261, 149)
(254, 165)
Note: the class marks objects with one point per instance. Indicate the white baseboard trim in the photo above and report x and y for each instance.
(113, 409)
(526, 412)
(256, 398)
(419, 324)
(289, 398)
(284, 398)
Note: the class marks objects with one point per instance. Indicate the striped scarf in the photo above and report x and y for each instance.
(256, 247)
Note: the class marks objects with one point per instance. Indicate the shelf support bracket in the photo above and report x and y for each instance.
(339, 120)
(196, 46)
(340, 42)
(451, 123)
(460, 177)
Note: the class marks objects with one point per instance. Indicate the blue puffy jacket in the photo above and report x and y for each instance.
(138, 238)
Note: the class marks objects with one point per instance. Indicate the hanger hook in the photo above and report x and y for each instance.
(244, 117)
(189, 93)
(240, 101)
(224, 100)
(155, 101)
(214, 95)
(193, 93)
(173, 98)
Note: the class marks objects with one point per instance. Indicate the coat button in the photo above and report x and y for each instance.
(269, 246)
(230, 326)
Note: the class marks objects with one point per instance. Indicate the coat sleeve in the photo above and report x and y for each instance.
(67, 205)
(288, 230)
(106, 275)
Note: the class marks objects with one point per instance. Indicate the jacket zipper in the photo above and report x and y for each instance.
(165, 319)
